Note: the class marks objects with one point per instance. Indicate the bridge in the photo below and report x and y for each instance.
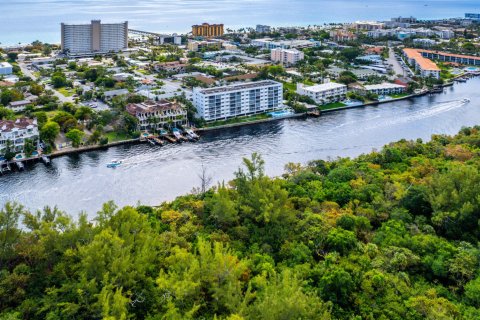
(162, 38)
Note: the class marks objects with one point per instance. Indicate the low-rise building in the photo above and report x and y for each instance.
(323, 93)
(422, 42)
(153, 115)
(287, 56)
(341, 35)
(17, 131)
(5, 68)
(238, 100)
(425, 66)
(174, 66)
(263, 28)
(284, 44)
(195, 46)
(384, 89)
(368, 25)
(361, 74)
(17, 106)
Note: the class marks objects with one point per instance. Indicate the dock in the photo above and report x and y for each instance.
(170, 139)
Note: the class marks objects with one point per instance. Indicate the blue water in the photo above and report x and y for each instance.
(28, 20)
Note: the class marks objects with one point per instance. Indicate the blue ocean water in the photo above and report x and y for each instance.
(28, 20)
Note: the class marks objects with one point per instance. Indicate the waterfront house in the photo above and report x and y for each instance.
(323, 93)
(383, 89)
(153, 115)
(17, 131)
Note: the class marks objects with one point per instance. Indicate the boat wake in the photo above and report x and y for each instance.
(401, 117)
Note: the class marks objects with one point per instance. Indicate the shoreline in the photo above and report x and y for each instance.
(60, 153)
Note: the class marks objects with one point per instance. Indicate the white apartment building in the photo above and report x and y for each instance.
(5, 68)
(368, 25)
(17, 131)
(94, 38)
(287, 56)
(385, 88)
(238, 100)
(323, 93)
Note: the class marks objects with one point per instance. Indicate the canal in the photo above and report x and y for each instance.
(150, 175)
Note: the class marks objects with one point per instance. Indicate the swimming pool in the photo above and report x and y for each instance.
(279, 114)
(472, 69)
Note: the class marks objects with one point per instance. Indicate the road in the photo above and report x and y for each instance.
(170, 88)
(398, 65)
(27, 72)
(392, 60)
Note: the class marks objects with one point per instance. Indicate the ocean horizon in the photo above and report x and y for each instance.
(25, 21)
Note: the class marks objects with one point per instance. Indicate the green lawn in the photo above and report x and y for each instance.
(116, 136)
(66, 92)
(290, 86)
(401, 95)
(332, 105)
(143, 71)
(238, 120)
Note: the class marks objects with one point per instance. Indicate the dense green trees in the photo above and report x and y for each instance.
(390, 235)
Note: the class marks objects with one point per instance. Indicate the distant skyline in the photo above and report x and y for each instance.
(31, 20)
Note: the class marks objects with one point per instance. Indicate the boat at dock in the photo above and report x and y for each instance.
(170, 139)
(20, 165)
(314, 113)
(158, 141)
(114, 163)
(46, 159)
(5, 167)
(191, 134)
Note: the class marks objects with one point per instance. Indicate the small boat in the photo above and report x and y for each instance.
(45, 159)
(114, 163)
(20, 165)
(151, 142)
(192, 134)
(178, 136)
(466, 100)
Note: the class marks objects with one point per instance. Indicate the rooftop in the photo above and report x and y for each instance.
(242, 86)
(152, 106)
(450, 54)
(425, 64)
(5, 65)
(21, 123)
(385, 85)
(325, 87)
